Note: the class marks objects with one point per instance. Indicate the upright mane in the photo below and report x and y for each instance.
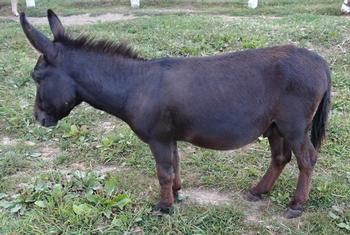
(109, 47)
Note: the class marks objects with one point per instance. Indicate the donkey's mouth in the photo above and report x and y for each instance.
(45, 120)
(48, 123)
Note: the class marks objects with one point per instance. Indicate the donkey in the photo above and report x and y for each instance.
(219, 102)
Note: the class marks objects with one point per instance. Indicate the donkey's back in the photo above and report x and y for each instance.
(227, 101)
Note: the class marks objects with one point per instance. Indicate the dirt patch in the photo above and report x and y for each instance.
(107, 126)
(230, 18)
(29, 143)
(77, 19)
(7, 141)
(255, 210)
(169, 11)
(107, 169)
(205, 196)
(72, 168)
(49, 152)
(259, 213)
(19, 175)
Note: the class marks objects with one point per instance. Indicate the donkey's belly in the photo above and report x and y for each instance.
(221, 123)
(225, 139)
(214, 144)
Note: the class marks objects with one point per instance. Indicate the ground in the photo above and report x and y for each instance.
(91, 174)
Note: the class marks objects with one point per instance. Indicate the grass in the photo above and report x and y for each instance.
(100, 161)
(229, 7)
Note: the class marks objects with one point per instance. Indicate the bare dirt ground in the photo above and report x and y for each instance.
(204, 196)
(78, 19)
(7, 141)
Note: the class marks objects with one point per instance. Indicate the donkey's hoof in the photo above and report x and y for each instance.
(178, 197)
(293, 213)
(252, 197)
(160, 210)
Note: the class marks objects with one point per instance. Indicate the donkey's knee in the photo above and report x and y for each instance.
(165, 175)
(281, 159)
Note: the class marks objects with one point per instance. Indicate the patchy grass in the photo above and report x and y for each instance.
(60, 180)
(152, 7)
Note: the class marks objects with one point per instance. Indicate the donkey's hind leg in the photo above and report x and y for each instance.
(295, 131)
(306, 158)
(280, 156)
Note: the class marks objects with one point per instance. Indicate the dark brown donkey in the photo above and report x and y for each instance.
(218, 102)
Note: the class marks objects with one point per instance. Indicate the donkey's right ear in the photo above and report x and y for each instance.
(55, 25)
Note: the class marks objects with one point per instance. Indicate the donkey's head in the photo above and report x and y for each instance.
(56, 92)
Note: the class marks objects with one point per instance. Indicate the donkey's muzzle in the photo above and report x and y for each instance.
(44, 119)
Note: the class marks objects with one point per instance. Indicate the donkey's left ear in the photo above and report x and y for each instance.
(55, 25)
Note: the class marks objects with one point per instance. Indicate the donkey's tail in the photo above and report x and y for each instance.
(318, 130)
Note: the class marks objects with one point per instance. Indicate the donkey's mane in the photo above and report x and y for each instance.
(89, 43)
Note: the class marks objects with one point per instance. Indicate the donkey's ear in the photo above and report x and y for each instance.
(38, 40)
(55, 24)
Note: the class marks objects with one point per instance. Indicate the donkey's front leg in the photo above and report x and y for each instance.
(163, 156)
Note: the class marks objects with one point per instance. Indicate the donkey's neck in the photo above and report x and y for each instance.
(106, 82)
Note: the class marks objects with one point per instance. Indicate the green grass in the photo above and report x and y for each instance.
(229, 7)
(43, 193)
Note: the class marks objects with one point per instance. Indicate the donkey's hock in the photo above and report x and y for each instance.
(219, 102)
